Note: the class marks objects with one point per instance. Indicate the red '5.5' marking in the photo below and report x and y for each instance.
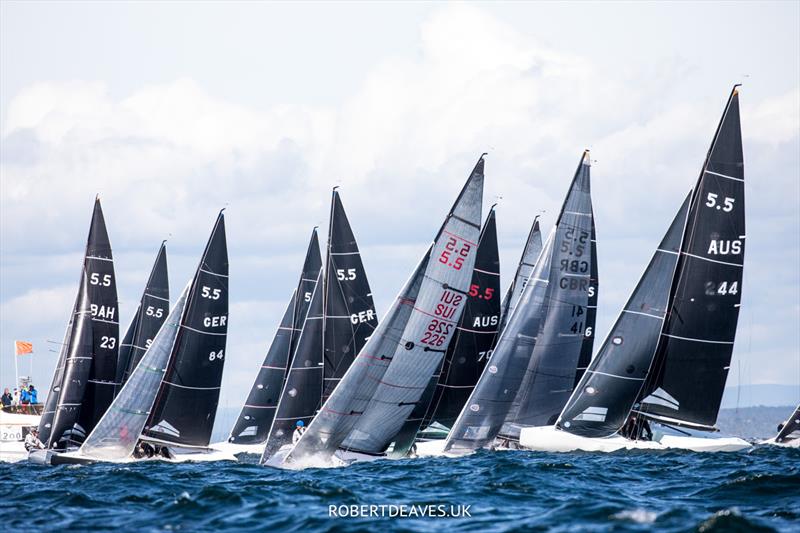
(454, 256)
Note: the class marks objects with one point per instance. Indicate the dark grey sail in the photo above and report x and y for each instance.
(64, 432)
(532, 370)
(102, 284)
(302, 390)
(791, 428)
(567, 329)
(585, 356)
(255, 418)
(186, 403)
(349, 311)
(97, 274)
(533, 247)
(687, 378)
(602, 401)
(469, 350)
(407, 347)
(150, 315)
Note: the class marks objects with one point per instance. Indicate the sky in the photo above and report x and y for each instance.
(172, 111)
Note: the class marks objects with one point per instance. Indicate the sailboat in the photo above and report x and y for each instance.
(340, 319)
(467, 354)
(85, 377)
(540, 352)
(666, 359)
(365, 412)
(250, 431)
(148, 319)
(789, 431)
(167, 406)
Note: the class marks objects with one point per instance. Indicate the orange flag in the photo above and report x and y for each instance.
(22, 347)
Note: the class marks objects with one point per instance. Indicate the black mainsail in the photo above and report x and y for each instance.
(688, 375)
(255, 418)
(533, 367)
(150, 315)
(186, 403)
(349, 311)
(671, 363)
(98, 291)
(605, 395)
(533, 247)
(381, 388)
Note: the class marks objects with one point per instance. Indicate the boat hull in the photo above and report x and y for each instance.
(13, 428)
(237, 449)
(50, 457)
(550, 439)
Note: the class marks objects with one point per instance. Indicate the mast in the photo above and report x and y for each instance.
(380, 389)
(186, 403)
(254, 420)
(533, 247)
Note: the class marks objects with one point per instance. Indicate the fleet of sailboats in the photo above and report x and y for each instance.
(450, 369)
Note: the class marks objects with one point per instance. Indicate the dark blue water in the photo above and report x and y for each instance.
(757, 490)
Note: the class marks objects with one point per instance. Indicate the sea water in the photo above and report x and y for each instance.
(755, 490)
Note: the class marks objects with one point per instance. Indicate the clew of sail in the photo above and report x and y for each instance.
(115, 436)
(186, 403)
(150, 315)
(791, 428)
(254, 421)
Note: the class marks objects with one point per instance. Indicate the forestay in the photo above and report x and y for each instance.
(186, 403)
(117, 433)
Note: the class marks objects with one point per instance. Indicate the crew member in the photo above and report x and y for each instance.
(300, 428)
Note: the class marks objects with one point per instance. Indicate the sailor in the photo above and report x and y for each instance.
(300, 428)
(32, 441)
(645, 433)
(7, 398)
(34, 394)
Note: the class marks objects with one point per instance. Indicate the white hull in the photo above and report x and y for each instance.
(550, 439)
(340, 458)
(794, 443)
(12, 438)
(430, 448)
(236, 449)
(176, 456)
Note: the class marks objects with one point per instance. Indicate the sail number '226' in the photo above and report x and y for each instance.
(452, 257)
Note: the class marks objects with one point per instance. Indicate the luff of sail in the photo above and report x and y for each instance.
(302, 390)
(345, 408)
(150, 315)
(102, 285)
(65, 432)
(532, 369)
(349, 310)
(469, 350)
(533, 247)
(187, 400)
(430, 326)
(116, 435)
(689, 371)
(601, 402)
(254, 420)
